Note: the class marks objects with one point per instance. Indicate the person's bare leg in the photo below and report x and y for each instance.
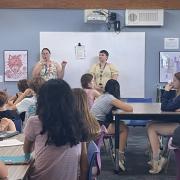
(154, 130)
(7, 125)
(122, 136)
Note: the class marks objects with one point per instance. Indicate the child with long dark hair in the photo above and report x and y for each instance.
(103, 106)
(56, 134)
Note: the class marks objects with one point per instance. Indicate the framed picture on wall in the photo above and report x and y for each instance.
(169, 64)
(15, 65)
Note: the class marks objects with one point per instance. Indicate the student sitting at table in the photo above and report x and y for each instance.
(87, 83)
(56, 134)
(103, 106)
(24, 104)
(168, 103)
(81, 104)
(3, 171)
(6, 123)
(22, 86)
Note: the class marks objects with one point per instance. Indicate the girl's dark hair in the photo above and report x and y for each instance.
(46, 50)
(22, 85)
(112, 87)
(3, 98)
(60, 119)
(85, 79)
(177, 75)
(104, 52)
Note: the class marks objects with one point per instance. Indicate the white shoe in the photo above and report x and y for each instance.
(157, 166)
(121, 165)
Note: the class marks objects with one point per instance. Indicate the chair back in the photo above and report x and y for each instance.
(138, 100)
(94, 160)
(99, 139)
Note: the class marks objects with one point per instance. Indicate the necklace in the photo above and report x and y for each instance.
(101, 73)
(102, 69)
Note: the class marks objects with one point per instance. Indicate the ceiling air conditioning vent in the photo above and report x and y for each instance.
(144, 17)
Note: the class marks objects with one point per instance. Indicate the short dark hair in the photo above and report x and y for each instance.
(22, 85)
(60, 119)
(46, 50)
(85, 79)
(36, 83)
(3, 98)
(112, 87)
(104, 52)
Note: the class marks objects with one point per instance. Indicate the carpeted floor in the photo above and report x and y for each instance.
(136, 161)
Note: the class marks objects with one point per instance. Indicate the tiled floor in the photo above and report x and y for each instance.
(136, 160)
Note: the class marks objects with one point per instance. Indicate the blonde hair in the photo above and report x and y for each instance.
(81, 103)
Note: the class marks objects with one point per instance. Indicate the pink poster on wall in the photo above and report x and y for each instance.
(15, 64)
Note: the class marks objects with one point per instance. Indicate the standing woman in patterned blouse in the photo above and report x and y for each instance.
(103, 71)
(48, 69)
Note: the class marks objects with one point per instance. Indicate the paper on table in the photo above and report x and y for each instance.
(10, 142)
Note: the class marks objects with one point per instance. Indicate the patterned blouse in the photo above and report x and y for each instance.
(48, 72)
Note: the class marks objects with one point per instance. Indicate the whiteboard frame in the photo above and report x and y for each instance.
(127, 51)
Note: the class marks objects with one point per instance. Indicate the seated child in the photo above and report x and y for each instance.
(168, 103)
(87, 83)
(6, 116)
(24, 104)
(103, 107)
(81, 104)
(22, 86)
(56, 134)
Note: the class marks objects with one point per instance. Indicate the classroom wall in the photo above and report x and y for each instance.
(19, 30)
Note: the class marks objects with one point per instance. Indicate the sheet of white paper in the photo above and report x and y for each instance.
(171, 43)
(80, 52)
(10, 142)
(1, 78)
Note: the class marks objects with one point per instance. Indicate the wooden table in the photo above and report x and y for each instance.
(141, 111)
(15, 171)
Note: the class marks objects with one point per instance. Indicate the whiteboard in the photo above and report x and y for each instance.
(126, 51)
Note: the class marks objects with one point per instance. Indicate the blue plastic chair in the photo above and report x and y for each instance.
(94, 160)
(18, 123)
(138, 100)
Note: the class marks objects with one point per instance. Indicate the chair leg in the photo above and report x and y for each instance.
(168, 160)
(109, 148)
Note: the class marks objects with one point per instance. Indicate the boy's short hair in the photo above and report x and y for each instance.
(36, 83)
(3, 98)
(22, 85)
(104, 52)
(85, 79)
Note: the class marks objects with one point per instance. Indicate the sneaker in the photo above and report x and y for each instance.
(122, 161)
(157, 166)
(121, 165)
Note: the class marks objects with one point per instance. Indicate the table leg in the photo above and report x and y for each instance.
(116, 118)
